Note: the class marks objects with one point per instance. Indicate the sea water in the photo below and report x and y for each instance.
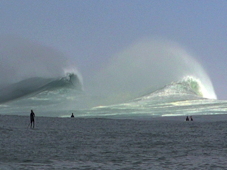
(98, 143)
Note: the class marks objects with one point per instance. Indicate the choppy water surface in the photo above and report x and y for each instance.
(76, 143)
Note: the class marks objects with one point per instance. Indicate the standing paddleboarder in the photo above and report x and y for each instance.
(32, 119)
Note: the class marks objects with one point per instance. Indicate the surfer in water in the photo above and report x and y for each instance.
(187, 118)
(32, 119)
(72, 115)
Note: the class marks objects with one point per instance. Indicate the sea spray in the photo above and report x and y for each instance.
(147, 66)
(22, 59)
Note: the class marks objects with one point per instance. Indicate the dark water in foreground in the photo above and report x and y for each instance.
(161, 143)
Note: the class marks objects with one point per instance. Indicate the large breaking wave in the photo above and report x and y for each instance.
(36, 85)
(189, 88)
(138, 80)
(184, 97)
(147, 66)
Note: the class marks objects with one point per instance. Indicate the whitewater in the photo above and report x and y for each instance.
(128, 115)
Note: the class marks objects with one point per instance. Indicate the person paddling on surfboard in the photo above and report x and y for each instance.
(187, 118)
(32, 119)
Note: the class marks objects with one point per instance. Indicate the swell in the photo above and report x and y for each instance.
(188, 85)
(35, 85)
(189, 88)
(184, 97)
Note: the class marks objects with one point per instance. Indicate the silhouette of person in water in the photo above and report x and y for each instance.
(32, 119)
(187, 118)
(72, 115)
(191, 118)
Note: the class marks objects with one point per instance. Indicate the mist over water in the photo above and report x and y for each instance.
(21, 59)
(145, 67)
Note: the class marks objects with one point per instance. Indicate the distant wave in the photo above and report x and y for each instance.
(187, 88)
(188, 85)
(36, 85)
(171, 99)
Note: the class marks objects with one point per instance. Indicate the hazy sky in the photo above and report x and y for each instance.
(90, 32)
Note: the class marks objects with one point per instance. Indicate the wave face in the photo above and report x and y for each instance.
(188, 86)
(37, 85)
(184, 90)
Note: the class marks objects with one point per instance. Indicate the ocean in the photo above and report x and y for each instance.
(99, 143)
(141, 131)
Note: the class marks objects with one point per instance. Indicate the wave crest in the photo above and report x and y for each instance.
(189, 88)
(189, 85)
(194, 85)
(36, 85)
